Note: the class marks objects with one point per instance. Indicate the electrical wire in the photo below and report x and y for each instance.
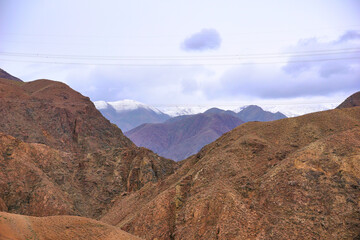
(353, 27)
(182, 65)
(208, 57)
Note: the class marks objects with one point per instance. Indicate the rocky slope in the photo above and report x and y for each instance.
(296, 178)
(18, 227)
(128, 114)
(59, 155)
(352, 101)
(183, 136)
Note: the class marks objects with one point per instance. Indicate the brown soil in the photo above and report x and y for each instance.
(19, 227)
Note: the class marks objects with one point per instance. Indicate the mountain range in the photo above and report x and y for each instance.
(293, 178)
(183, 136)
(128, 114)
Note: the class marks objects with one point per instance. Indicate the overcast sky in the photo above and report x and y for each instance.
(187, 52)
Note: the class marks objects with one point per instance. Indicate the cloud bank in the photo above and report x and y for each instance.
(302, 76)
(206, 39)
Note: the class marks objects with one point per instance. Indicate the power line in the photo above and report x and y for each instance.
(182, 65)
(353, 27)
(244, 104)
(208, 57)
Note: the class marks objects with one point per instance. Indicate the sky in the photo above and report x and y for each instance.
(204, 52)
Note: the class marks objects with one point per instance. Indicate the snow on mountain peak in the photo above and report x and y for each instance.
(175, 111)
(124, 105)
(101, 105)
(290, 110)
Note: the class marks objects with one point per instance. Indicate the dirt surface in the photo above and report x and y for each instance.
(19, 227)
(296, 178)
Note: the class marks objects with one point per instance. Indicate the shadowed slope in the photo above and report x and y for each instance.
(296, 178)
(183, 136)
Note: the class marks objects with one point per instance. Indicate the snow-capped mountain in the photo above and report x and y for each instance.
(128, 114)
(290, 110)
(175, 111)
(124, 105)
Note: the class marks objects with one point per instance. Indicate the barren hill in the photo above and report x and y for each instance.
(296, 178)
(59, 155)
(180, 137)
(18, 227)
